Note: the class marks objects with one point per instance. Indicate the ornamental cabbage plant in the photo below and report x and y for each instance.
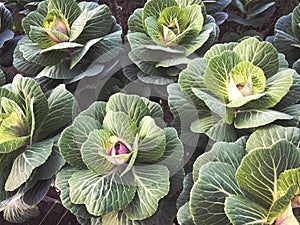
(163, 34)
(251, 12)
(239, 86)
(287, 37)
(253, 182)
(216, 9)
(5, 25)
(6, 34)
(67, 40)
(29, 158)
(119, 162)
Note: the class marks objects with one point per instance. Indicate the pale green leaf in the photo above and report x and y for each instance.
(184, 216)
(95, 151)
(23, 166)
(146, 49)
(31, 20)
(217, 74)
(218, 49)
(246, 73)
(32, 52)
(10, 145)
(97, 111)
(74, 136)
(241, 210)
(256, 118)
(203, 41)
(185, 3)
(260, 182)
(215, 105)
(19, 124)
(94, 22)
(216, 182)
(214, 127)
(62, 183)
(155, 8)
(40, 36)
(192, 77)
(244, 100)
(132, 105)
(268, 136)
(155, 108)
(195, 23)
(135, 23)
(287, 179)
(152, 141)
(152, 184)
(62, 46)
(280, 204)
(100, 194)
(9, 94)
(79, 54)
(230, 153)
(29, 90)
(15, 210)
(153, 30)
(120, 125)
(69, 8)
(173, 155)
(261, 54)
(61, 106)
(277, 87)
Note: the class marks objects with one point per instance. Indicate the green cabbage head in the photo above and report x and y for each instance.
(163, 35)
(237, 86)
(67, 40)
(29, 157)
(254, 181)
(120, 160)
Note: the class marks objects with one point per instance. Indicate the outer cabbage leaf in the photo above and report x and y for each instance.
(207, 208)
(261, 183)
(251, 13)
(287, 35)
(5, 25)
